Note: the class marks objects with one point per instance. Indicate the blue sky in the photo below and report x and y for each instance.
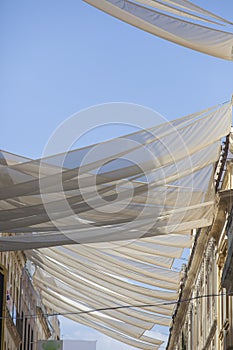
(58, 57)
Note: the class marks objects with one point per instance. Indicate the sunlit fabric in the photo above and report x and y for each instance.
(93, 195)
(106, 224)
(177, 21)
(82, 277)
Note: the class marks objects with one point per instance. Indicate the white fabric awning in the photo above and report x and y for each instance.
(71, 198)
(178, 22)
(104, 233)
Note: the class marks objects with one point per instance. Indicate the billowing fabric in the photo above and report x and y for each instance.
(173, 10)
(168, 189)
(81, 278)
(171, 24)
(105, 233)
(185, 9)
(188, 5)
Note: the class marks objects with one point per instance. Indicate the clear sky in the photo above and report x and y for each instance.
(58, 57)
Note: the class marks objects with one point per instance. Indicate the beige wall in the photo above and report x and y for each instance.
(207, 323)
(22, 329)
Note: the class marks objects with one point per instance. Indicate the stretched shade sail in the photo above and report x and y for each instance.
(178, 22)
(110, 219)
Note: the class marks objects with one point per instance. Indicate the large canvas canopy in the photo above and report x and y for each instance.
(152, 182)
(179, 21)
(103, 224)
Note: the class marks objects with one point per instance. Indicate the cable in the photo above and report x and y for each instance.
(119, 307)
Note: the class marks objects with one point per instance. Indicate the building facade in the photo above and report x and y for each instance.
(203, 317)
(24, 320)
